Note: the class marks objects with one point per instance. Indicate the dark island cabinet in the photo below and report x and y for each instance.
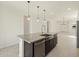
(28, 49)
(55, 40)
(50, 43)
(40, 48)
(47, 47)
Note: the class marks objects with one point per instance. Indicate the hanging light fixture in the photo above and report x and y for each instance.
(28, 17)
(44, 24)
(38, 13)
(44, 17)
(44, 14)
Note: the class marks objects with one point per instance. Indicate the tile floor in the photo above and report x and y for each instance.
(12, 51)
(66, 47)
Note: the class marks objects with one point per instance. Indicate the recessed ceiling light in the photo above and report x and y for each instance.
(68, 8)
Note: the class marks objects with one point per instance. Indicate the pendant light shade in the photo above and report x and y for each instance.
(28, 18)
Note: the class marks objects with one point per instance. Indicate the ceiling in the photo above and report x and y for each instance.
(54, 9)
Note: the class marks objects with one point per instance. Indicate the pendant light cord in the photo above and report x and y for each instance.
(28, 8)
(38, 12)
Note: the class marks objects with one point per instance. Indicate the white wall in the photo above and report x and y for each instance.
(11, 25)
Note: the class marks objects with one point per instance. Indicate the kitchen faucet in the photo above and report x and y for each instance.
(42, 28)
(45, 27)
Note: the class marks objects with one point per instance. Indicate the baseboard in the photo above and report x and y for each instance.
(10, 44)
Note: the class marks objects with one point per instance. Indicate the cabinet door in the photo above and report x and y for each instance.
(27, 49)
(47, 47)
(51, 44)
(39, 49)
(77, 34)
(55, 39)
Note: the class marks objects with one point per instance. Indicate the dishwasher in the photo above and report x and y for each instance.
(39, 48)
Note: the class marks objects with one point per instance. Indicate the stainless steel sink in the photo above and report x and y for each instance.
(45, 35)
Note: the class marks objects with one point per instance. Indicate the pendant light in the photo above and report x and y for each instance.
(44, 17)
(38, 13)
(28, 11)
(44, 24)
(44, 14)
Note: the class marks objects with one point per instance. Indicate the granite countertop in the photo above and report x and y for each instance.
(33, 37)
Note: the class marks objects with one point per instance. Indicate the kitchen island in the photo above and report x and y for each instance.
(36, 45)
